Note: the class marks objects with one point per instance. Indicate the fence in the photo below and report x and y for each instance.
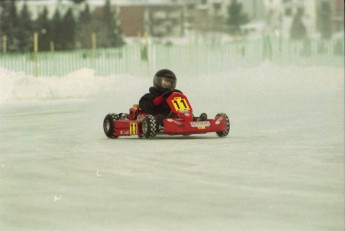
(194, 59)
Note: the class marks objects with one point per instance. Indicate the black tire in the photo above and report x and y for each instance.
(108, 125)
(148, 126)
(227, 130)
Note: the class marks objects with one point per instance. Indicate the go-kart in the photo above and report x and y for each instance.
(180, 122)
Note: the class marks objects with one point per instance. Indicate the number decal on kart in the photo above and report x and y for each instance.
(133, 129)
(180, 104)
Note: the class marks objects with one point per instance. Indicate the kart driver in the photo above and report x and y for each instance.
(164, 83)
(154, 102)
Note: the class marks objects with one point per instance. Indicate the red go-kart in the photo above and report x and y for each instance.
(181, 121)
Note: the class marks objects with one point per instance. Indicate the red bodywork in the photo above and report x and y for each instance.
(182, 125)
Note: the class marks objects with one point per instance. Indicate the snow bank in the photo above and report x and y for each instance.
(83, 83)
(268, 78)
(18, 86)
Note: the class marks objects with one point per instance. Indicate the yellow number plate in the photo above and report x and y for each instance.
(180, 104)
(133, 128)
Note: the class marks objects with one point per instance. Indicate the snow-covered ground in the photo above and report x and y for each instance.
(280, 168)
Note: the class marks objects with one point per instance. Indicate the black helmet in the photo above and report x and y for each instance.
(164, 79)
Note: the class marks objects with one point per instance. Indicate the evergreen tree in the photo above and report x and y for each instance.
(68, 29)
(2, 5)
(63, 31)
(43, 27)
(25, 30)
(84, 29)
(298, 30)
(236, 17)
(3, 13)
(77, 1)
(106, 28)
(324, 23)
(9, 24)
(110, 27)
(56, 29)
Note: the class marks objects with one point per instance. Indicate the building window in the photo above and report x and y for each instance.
(288, 11)
(217, 6)
(190, 6)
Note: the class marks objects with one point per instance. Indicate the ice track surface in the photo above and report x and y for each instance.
(280, 168)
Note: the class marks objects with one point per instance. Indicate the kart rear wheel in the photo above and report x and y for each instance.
(227, 130)
(148, 126)
(108, 125)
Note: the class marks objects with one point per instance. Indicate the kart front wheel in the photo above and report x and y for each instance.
(227, 130)
(108, 125)
(148, 126)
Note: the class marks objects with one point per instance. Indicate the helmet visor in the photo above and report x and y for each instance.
(166, 83)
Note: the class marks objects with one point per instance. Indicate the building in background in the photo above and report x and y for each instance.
(337, 7)
(178, 18)
(158, 20)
